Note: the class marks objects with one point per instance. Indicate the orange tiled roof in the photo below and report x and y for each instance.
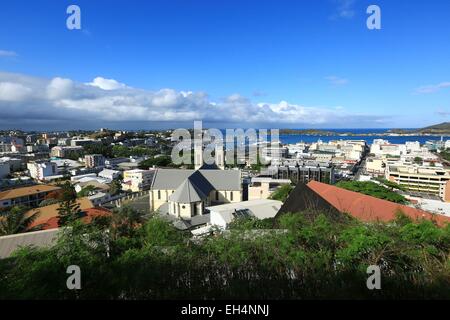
(26, 191)
(91, 213)
(48, 212)
(368, 208)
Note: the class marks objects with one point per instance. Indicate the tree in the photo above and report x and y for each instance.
(16, 220)
(125, 221)
(115, 187)
(162, 161)
(86, 191)
(282, 193)
(418, 160)
(69, 209)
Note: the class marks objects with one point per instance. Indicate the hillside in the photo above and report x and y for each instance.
(441, 128)
(437, 128)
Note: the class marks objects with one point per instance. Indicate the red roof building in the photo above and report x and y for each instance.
(368, 208)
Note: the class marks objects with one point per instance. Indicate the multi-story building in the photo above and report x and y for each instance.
(94, 160)
(302, 172)
(137, 180)
(376, 166)
(427, 180)
(66, 151)
(82, 142)
(263, 187)
(186, 193)
(25, 196)
(383, 147)
(40, 170)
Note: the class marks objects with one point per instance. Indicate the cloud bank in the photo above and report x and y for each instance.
(25, 99)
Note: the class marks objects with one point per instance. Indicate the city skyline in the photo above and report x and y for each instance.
(303, 64)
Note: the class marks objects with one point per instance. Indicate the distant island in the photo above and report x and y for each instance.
(435, 130)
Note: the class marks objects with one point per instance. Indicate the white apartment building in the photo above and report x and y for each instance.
(137, 180)
(40, 170)
(383, 147)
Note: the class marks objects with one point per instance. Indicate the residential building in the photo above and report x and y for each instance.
(109, 174)
(383, 147)
(66, 151)
(94, 160)
(186, 193)
(263, 187)
(15, 164)
(48, 215)
(137, 180)
(376, 166)
(40, 170)
(26, 196)
(80, 142)
(222, 215)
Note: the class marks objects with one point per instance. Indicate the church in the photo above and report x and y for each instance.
(185, 193)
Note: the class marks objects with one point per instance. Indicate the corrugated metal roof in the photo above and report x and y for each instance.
(45, 238)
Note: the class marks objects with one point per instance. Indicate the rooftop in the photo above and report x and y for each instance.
(26, 191)
(367, 208)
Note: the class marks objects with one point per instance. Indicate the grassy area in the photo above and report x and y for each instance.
(372, 189)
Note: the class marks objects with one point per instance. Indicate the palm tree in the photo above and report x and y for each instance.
(16, 220)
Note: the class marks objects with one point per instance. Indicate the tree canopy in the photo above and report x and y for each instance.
(291, 258)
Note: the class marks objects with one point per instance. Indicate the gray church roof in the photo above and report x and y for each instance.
(188, 192)
(205, 180)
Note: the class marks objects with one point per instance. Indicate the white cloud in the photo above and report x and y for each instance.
(10, 91)
(7, 53)
(433, 88)
(59, 88)
(64, 99)
(345, 9)
(336, 81)
(106, 84)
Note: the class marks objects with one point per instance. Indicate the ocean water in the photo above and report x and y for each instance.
(294, 138)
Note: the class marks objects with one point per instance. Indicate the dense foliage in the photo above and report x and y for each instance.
(284, 259)
(445, 155)
(372, 189)
(16, 220)
(282, 193)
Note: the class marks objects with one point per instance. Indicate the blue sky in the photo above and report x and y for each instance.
(302, 64)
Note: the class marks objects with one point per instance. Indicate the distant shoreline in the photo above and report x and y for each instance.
(389, 133)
